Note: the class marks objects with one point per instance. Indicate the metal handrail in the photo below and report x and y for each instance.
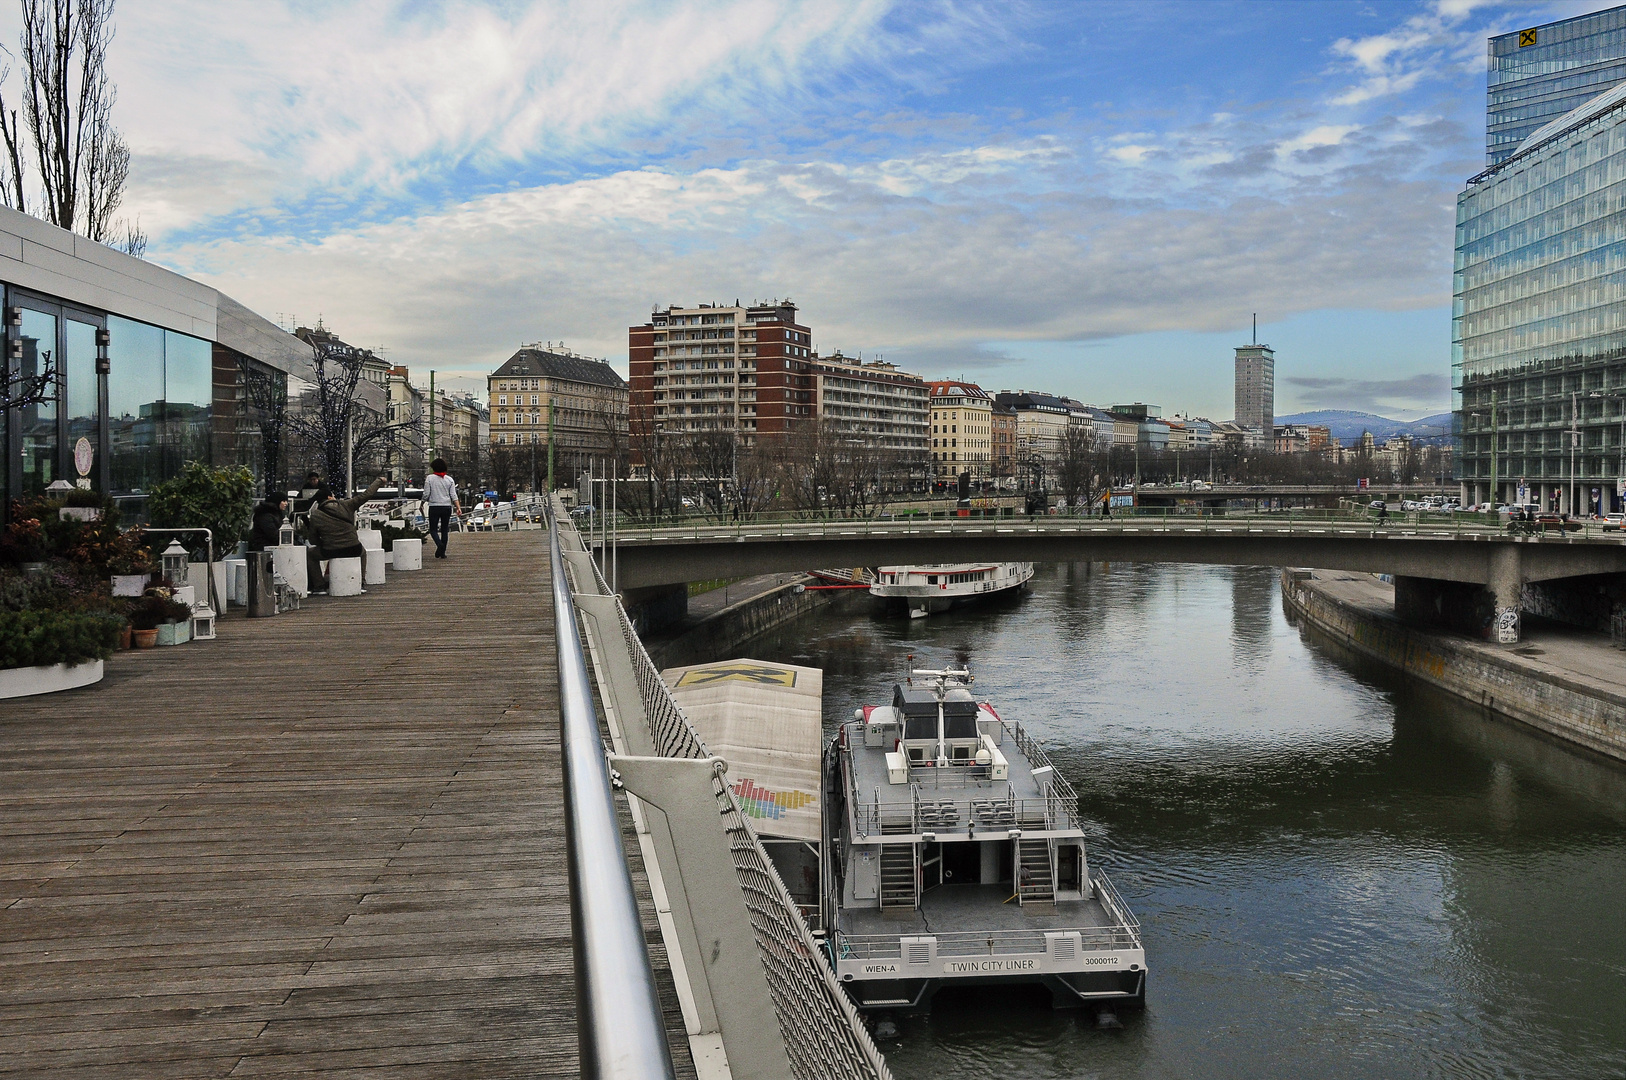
(620, 1030)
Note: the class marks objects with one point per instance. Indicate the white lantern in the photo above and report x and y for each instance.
(285, 533)
(174, 559)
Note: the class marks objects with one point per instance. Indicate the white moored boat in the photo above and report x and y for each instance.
(933, 587)
(954, 854)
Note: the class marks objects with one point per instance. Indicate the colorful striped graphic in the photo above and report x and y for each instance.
(759, 802)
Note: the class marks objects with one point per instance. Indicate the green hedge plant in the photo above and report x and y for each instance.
(220, 500)
(42, 638)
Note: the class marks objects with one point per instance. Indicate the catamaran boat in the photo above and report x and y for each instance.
(931, 587)
(953, 854)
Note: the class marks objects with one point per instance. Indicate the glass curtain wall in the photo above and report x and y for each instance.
(1539, 321)
(135, 405)
(1539, 74)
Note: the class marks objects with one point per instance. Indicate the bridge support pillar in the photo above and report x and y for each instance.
(1506, 585)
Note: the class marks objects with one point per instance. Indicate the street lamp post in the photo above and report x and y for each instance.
(1620, 446)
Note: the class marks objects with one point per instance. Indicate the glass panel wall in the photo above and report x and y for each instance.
(188, 388)
(83, 403)
(135, 404)
(38, 422)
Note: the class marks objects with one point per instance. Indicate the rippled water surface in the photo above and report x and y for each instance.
(1338, 875)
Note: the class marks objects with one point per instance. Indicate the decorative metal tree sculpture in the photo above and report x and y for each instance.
(20, 388)
(341, 428)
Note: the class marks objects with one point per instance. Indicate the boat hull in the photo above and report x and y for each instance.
(927, 590)
(1074, 990)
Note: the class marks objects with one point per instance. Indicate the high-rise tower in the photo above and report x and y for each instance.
(1256, 388)
(1541, 73)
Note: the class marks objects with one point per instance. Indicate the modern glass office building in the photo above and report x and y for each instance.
(1539, 316)
(1541, 73)
(153, 369)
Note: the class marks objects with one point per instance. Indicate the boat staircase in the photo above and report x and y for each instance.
(900, 876)
(1035, 871)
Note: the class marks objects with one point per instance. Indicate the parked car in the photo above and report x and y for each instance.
(1614, 522)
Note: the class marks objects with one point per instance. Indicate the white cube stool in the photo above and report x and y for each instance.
(344, 577)
(288, 560)
(408, 554)
(237, 581)
(373, 566)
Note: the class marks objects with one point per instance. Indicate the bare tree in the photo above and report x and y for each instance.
(1076, 467)
(80, 162)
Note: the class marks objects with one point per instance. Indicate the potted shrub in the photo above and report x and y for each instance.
(220, 500)
(158, 618)
(129, 563)
(45, 651)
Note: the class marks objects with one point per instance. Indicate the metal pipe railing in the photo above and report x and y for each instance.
(619, 1027)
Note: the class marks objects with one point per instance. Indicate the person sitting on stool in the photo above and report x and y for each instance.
(332, 523)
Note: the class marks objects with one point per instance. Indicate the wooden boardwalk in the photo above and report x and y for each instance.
(328, 842)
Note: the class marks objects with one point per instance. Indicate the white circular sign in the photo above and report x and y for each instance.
(83, 456)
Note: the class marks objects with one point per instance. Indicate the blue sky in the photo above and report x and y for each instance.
(1088, 198)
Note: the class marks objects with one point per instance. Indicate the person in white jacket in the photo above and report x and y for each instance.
(440, 492)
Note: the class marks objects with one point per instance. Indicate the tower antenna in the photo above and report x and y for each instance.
(1256, 328)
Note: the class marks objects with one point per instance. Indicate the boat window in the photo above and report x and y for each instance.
(917, 753)
(921, 727)
(931, 579)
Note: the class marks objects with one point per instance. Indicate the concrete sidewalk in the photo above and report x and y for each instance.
(1548, 649)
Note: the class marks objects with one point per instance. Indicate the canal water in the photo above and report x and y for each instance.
(1338, 875)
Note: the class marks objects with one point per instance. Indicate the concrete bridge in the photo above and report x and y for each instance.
(1464, 576)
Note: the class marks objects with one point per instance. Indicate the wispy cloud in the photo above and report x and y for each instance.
(1424, 393)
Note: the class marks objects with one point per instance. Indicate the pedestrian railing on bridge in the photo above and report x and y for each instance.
(758, 998)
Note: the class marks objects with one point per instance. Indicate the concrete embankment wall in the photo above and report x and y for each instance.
(719, 636)
(1478, 673)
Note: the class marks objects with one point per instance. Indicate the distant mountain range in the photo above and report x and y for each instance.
(1347, 425)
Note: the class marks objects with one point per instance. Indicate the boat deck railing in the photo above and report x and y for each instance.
(962, 798)
(1122, 933)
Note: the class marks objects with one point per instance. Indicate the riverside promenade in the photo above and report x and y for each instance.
(327, 842)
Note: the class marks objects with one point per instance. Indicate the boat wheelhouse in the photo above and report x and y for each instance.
(930, 587)
(953, 852)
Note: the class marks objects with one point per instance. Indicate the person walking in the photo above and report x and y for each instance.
(440, 492)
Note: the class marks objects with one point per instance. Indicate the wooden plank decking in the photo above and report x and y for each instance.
(328, 842)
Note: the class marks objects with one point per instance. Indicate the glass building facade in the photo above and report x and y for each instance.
(1539, 319)
(1543, 72)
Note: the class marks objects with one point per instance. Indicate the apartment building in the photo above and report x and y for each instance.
(873, 402)
(962, 429)
(1002, 430)
(747, 369)
(549, 395)
(1042, 421)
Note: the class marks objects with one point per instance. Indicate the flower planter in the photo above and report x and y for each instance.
(79, 513)
(144, 639)
(27, 681)
(124, 637)
(175, 633)
(129, 584)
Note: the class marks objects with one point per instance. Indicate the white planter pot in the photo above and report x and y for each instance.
(236, 581)
(371, 539)
(217, 571)
(289, 561)
(372, 566)
(407, 554)
(79, 513)
(344, 577)
(129, 584)
(27, 681)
